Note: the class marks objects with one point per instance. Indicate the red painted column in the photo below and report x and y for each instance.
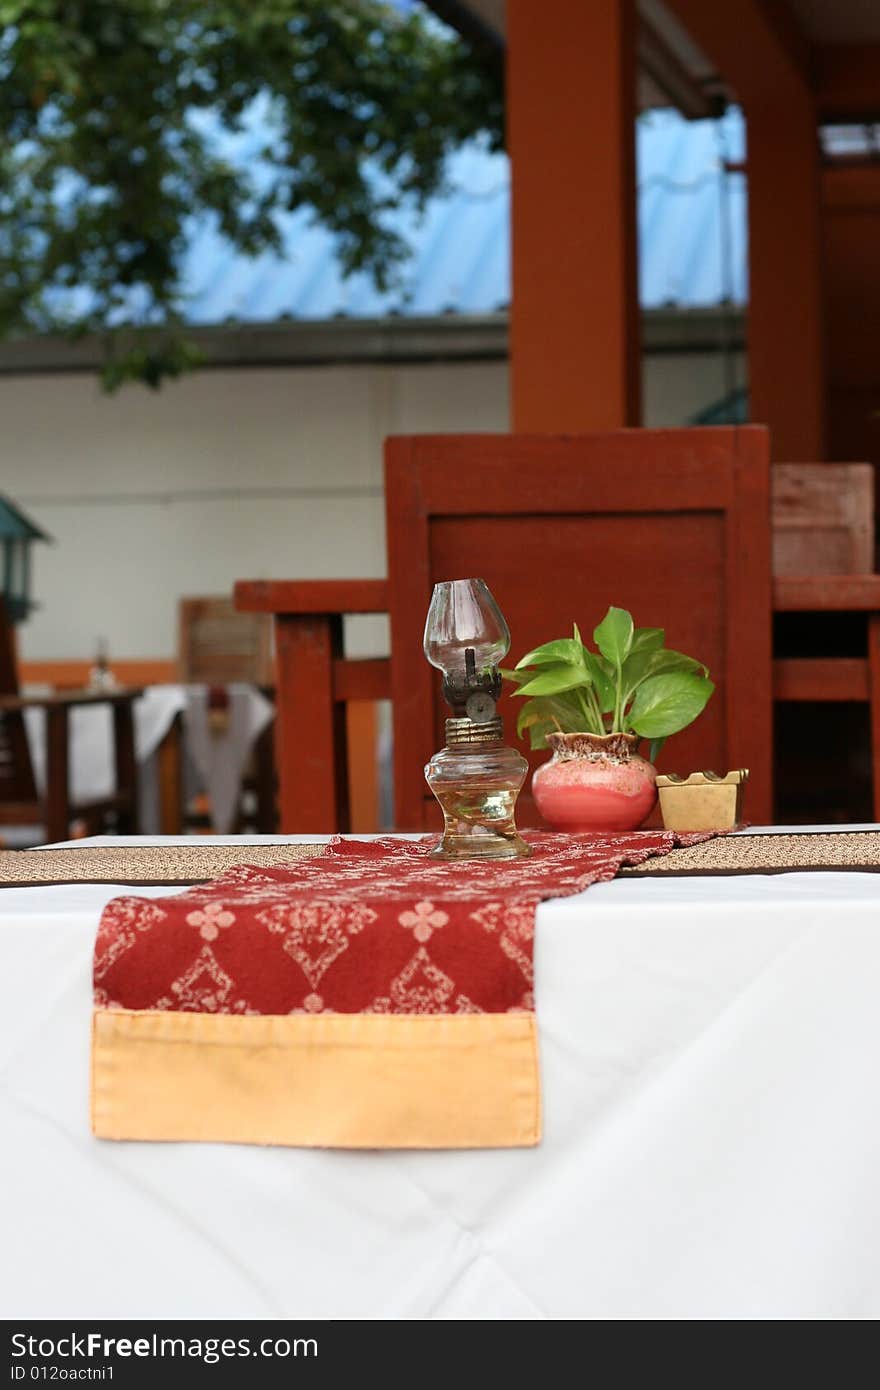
(787, 385)
(759, 50)
(574, 334)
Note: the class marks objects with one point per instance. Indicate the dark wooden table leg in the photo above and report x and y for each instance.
(57, 775)
(126, 766)
(874, 694)
(265, 782)
(169, 761)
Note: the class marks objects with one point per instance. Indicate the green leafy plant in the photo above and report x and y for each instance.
(631, 684)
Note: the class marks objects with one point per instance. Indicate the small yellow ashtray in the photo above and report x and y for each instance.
(702, 801)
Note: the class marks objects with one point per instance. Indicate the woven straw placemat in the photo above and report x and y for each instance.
(136, 866)
(857, 851)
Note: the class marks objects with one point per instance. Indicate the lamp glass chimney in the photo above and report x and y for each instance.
(464, 616)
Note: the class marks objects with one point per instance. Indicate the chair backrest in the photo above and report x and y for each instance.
(18, 792)
(671, 524)
(823, 518)
(219, 645)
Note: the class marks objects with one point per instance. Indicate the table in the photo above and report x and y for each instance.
(711, 1138)
(217, 759)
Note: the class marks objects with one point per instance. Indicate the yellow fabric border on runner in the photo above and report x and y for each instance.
(385, 1081)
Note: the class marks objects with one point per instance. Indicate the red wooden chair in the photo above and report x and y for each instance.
(672, 524)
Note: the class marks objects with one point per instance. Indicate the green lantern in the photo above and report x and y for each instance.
(17, 534)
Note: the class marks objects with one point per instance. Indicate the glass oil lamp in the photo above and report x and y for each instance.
(476, 777)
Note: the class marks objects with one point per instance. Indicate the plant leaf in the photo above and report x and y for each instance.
(665, 704)
(602, 677)
(541, 715)
(563, 649)
(535, 721)
(538, 735)
(533, 712)
(529, 713)
(647, 639)
(640, 665)
(566, 710)
(656, 747)
(552, 680)
(614, 636)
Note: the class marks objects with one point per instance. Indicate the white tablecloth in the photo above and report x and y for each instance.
(708, 1049)
(219, 759)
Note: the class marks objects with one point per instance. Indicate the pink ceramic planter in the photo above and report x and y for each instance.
(594, 782)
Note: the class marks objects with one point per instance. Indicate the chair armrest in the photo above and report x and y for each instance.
(68, 699)
(312, 596)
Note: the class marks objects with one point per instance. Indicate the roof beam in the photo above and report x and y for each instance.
(656, 59)
(361, 342)
(755, 44)
(666, 71)
(847, 79)
(788, 34)
(482, 36)
(448, 337)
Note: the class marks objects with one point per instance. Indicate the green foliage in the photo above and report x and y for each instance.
(107, 152)
(614, 636)
(664, 704)
(632, 685)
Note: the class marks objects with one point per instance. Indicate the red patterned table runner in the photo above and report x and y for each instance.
(368, 927)
(370, 997)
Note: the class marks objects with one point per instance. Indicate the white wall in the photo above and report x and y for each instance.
(676, 386)
(227, 475)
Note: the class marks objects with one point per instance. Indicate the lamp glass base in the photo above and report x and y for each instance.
(477, 790)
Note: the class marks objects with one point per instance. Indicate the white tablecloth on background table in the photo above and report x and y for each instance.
(711, 1137)
(219, 758)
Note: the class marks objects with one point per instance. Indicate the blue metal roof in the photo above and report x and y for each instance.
(692, 215)
(692, 230)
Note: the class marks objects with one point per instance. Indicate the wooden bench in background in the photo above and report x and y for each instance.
(823, 562)
(823, 518)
